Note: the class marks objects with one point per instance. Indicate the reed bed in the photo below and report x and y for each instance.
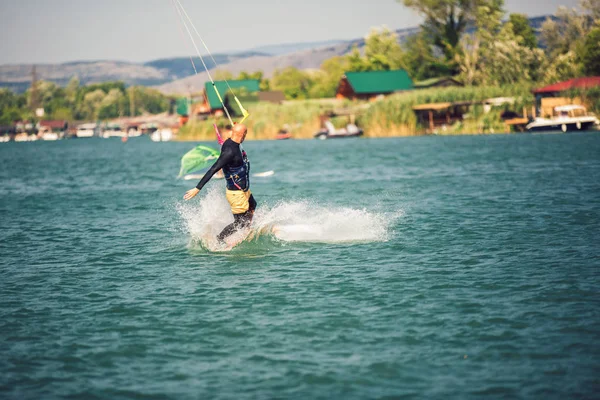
(392, 116)
(301, 118)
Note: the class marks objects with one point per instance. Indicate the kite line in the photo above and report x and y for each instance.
(185, 19)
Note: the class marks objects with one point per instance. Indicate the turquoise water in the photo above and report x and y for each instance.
(430, 267)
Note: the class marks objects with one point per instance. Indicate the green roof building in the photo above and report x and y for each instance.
(239, 86)
(182, 105)
(366, 85)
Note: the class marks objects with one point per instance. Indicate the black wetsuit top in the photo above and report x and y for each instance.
(231, 156)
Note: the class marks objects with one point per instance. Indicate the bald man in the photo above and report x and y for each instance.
(236, 167)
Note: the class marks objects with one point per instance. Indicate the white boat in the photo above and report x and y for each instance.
(50, 136)
(86, 130)
(330, 132)
(4, 138)
(162, 135)
(113, 132)
(134, 133)
(565, 118)
(24, 137)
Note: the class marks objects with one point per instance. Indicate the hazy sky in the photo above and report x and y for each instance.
(50, 31)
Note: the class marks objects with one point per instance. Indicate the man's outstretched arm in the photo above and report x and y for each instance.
(223, 159)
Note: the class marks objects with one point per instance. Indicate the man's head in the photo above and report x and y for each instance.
(238, 134)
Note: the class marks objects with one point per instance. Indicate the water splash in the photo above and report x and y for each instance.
(297, 221)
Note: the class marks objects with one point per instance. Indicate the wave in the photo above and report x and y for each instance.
(287, 221)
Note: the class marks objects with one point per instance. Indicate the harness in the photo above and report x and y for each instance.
(238, 177)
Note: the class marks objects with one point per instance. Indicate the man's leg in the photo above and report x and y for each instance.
(252, 204)
(227, 231)
(240, 221)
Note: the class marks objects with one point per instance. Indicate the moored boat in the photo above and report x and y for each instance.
(50, 136)
(86, 130)
(565, 118)
(162, 135)
(330, 132)
(283, 135)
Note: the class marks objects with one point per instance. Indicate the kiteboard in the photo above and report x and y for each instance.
(264, 174)
(236, 239)
(245, 235)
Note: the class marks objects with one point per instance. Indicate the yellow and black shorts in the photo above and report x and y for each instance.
(240, 201)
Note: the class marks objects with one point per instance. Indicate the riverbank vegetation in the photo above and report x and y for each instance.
(391, 116)
(75, 102)
(299, 117)
(394, 115)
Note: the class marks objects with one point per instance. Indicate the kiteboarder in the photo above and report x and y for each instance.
(236, 167)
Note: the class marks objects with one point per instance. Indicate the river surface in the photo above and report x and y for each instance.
(428, 267)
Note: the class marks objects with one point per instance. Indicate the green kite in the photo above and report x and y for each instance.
(196, 159)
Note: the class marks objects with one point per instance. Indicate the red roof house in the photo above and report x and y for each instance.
(54, 124)
(557, 94)
(577, 83)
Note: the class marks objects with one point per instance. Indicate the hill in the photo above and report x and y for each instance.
(175, 75)
(303, 59)
(18, 77)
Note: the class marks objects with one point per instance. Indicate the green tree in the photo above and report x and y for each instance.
(592, 7)
(258, 75)
(420, 61)
(150, 100)
(111, 105)
(382, 52)
(445, 21)
(293, 82)
(63, 113)
(521, 28)
(495, 55)
(476, 54)
(319, 89)
(85, 109)
(468, 61)
(265, 85)
(49, 96)
(509, 62)
(561, 68)
(105, 87)
(488, 20)
(222, 75)
(356, 62)
(506, 58)
(8, 100)
(9, 115)
(91, 103)
(566, 41)
(327, 79)
(72, 89)
(590, 54)
(564, 33)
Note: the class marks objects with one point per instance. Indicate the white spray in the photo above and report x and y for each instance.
(296, 221)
